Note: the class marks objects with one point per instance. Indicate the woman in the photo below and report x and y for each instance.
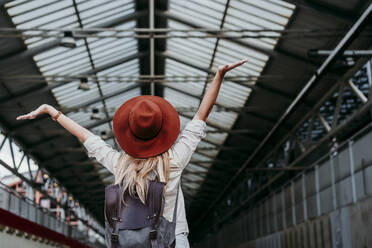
(146, 128)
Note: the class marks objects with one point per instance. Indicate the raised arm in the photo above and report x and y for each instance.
(74, 128)
(211, 95)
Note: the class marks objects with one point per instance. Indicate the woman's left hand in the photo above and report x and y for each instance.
(33, 114)
(225, 68)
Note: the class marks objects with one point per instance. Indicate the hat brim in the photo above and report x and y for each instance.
(140, 148)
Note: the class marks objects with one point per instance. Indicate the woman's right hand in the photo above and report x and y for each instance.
(33, 114)
(74, 128)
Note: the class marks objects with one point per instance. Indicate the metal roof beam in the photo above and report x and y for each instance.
(49, 87)
(272, 53)
(56, 42)
(257, 87)
(45, 88)
(349, 37)
(219, 105)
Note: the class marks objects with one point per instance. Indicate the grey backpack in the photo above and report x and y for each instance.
(136, 225)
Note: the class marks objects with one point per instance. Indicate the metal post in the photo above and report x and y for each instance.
(369, 76)
(267, 216)
(369, 73)
(324, 122)
(12, 153)
(338, 105)
(333, 182)
(275, 214)
(293, 203)
(152, 45)
(3, 142)
(352, 169)
(304, 195)
(283, 209)
(357, 92)
(318, 206)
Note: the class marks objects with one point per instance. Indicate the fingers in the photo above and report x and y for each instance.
(23, 117)
(30, 115)
(232, 66)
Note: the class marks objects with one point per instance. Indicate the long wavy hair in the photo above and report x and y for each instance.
(132, 173)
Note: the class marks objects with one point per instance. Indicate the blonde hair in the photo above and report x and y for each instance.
(132, 173)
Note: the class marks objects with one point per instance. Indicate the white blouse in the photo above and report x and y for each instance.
(180, 154)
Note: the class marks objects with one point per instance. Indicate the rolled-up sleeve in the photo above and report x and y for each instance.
(97, 148)
(189, 139)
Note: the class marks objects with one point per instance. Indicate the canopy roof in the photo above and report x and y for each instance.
(116, 61)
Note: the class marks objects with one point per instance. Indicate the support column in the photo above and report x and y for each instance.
(152, 45)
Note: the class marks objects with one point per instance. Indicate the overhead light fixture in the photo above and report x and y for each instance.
(95, 114)
(84, 84)
(104, 135)
(68, 40)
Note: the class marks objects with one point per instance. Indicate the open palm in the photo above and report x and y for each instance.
(33, 114)
(225, 68)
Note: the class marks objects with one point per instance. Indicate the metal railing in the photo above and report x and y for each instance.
(20, 205)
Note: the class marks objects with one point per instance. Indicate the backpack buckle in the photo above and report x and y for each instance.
(114, 237)
(153, 234)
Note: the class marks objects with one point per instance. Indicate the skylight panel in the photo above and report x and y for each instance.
(117, 101)
(61, 14)
(21, 2)
(31, 10)
(217, 138)
(82, 117)
(42, 14)
(178, 99)
(98, 16)
(196, 51)
(178, 68)
(78, 96)
(243, 14)
(194, 168)
(110, 88)
(70, 87)
(233, 95)
(208, 13)
(283, 5)
(194, 177)
(230, 51)
(189, 53)
(258, 16)
(97, 7)
(129, 68)
(222, 119)
(183, 121)
(212, 153)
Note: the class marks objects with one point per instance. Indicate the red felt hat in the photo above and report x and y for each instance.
(146, 126)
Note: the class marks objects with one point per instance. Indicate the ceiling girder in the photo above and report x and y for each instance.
(56, 42)
(272, 53)
(257, 87)
(349, 37)
(45, 88)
